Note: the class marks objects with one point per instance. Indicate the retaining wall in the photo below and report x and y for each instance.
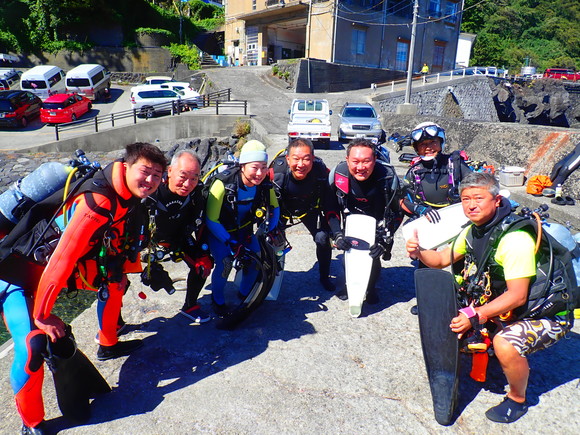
(162, 129)
(534, 147)
(318, 76)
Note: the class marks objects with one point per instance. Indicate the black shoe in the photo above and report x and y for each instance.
(507, 411)
(372, 297)
(342, 294)
(39, 429)
(327, 284)
(122, 348)
(414, 310)
(220, 309)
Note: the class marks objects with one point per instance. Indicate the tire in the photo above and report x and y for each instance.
(326, 144)
(23, 122)
(73, 117)
(89, 107)
(149, 112)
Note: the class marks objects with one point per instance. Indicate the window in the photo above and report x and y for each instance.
(435, 8)
(451, 12)
(98, 77)
(402, 54)
(438, 55)
(357, 45)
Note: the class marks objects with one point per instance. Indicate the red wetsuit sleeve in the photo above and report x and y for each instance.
(73, 244)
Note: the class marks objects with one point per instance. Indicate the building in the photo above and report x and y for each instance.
(372, 33)
(464, 45)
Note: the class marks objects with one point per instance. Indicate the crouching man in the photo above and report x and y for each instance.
(509, 276)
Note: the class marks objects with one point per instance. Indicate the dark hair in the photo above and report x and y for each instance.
(361, 142)
(300, 142)
(142, 150)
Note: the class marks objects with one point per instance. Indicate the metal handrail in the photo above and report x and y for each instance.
(217, 99)
(441, 77)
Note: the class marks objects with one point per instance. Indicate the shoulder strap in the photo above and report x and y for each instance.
(341, 179)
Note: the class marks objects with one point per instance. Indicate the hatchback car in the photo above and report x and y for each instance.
(17, 108)
(359, 120)
(64, 108)
(9, 78)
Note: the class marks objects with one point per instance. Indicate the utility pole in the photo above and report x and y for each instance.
(411, 53)
(407, 108)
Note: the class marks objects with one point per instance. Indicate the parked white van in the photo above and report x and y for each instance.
(43, 81)
(149, 99)
(89, 80)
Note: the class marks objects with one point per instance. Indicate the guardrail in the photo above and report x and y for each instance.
(220, 100)
(445, 76)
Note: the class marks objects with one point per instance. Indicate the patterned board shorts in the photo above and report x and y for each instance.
(529, 336)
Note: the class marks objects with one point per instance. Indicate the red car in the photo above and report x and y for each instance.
(64, 108)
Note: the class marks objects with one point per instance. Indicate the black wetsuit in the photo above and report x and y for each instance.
(369, 197)
(428, 183)
(176, 218)
(306, 201)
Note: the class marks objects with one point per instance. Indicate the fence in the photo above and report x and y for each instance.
(447, 76)
(221, 100)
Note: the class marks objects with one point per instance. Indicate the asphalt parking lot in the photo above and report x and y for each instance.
(38, 133)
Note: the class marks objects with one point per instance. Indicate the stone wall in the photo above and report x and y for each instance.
(534, 147)
(469, 98)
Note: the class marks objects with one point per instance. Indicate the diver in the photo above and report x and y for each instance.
(432, 182)
(89, 254)
(301, 184)
(364, 185)
(236, 196)
(178, 208)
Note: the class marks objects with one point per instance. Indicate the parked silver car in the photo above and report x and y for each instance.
(359, 120)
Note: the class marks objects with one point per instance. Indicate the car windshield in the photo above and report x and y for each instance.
(78, 82)
(359, 112)
(5, 106)
(54, 106)
(33, 84)
(310, 106)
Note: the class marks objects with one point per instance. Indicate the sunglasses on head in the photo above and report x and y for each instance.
(427, 132)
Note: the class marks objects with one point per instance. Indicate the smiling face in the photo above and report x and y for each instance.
(143, 177)
(253, 173)
(428, 147)
(183, 176)
(361, 162)
(300, 161)
(479, 204)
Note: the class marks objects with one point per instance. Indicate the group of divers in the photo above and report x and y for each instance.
(139, 201)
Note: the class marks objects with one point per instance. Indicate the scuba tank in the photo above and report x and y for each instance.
(24, 193)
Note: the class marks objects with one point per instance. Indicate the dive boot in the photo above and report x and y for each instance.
(122, 348)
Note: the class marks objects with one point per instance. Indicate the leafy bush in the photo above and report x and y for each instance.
(9, 42)
(242, 128)
(187, 54)
(150, 31)
(211, 23)
(54, 47)
(275, 70)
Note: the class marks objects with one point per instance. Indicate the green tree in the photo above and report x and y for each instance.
(509, 30)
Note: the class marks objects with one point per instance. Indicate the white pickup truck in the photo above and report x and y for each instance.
(310, 119)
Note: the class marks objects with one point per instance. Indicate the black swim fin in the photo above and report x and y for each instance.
(76, 380)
